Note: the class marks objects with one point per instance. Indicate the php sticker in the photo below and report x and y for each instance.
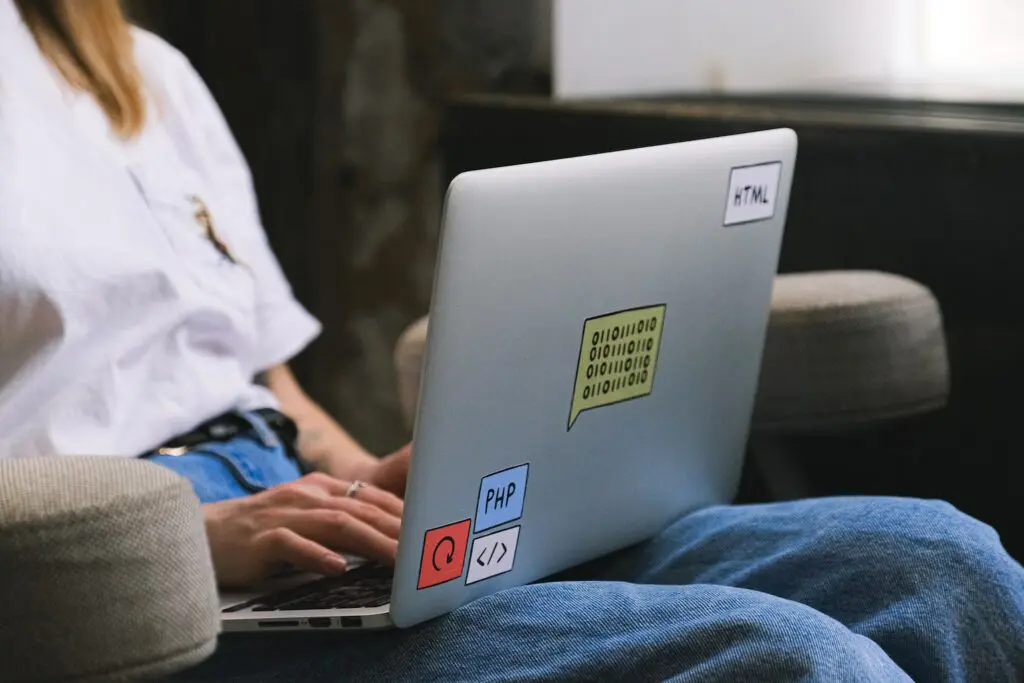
(501, 497)
(618, 358)
(753, 191)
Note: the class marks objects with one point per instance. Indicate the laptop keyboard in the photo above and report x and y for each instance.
(365, 586)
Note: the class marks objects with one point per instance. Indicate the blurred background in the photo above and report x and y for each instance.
(337, 105)
(355, 113)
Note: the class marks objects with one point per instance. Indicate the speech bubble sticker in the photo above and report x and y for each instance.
(618, 358)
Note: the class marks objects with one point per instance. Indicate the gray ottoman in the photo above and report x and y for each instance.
(846, 348)
(105, 574)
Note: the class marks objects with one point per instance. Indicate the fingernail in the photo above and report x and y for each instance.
(336, 563)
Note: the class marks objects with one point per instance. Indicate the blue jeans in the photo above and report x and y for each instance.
(837, 589)
(253, 461)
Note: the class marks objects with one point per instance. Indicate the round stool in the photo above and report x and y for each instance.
(409, 352)
(845, 348)
(105, 573)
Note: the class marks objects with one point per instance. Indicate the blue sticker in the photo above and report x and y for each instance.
(501, 498)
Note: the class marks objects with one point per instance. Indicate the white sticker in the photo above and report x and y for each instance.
(492, 555)
(752, 193)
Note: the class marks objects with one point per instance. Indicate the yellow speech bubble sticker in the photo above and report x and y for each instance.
(618, 357)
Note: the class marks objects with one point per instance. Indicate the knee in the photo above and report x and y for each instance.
(770, 638)
(921, 538)
(908, 528)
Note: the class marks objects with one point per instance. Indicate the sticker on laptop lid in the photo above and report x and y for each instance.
(618, 358)
(492, 555)
(444, 554)
(753, 191)
(501, 497)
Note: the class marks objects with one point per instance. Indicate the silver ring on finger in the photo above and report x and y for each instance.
(353, 488)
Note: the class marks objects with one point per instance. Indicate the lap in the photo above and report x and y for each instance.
(730, 593)
(591, 630)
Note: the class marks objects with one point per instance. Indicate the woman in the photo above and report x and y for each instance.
(144, 314)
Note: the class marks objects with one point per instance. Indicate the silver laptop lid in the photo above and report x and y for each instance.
(595, 339)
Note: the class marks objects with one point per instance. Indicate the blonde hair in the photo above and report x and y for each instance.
(90, 44)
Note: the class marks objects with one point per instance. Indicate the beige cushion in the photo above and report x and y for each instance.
(105, 574)
(849, 347)
(409, 351)
(843, 348)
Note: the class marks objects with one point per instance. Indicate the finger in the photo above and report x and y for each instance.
(341, 531)
(403, 453)
(327, 484)
(283, 546)
(324, 483)
(379, 517)
(395, 477)
(383, 499)
(382, 520)
(368, 493)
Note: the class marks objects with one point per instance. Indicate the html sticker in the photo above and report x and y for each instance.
(444, 554)
(492, 555)
(618, 358)
(752, 193)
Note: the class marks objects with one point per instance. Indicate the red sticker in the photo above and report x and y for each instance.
(444, 554)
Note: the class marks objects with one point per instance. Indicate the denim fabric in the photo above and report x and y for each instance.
(254, 461)
(839, 589)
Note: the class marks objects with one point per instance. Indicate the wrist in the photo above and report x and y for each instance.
(332, 452)
(361, 466)
(215, 517)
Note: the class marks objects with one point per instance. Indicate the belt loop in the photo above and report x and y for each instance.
(266, 435)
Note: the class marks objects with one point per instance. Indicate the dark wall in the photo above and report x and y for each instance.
(337, 105)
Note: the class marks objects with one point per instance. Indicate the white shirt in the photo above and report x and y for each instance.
(121, 323)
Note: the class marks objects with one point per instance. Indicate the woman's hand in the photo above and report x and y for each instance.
(305, 523)
(392, 471)
(325, 446)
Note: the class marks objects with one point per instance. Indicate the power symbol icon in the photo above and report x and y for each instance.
(445, 544)
(444, 554)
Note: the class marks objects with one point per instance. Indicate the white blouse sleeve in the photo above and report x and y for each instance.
(205, 143)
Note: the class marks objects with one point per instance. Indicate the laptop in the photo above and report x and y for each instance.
(595, 339)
